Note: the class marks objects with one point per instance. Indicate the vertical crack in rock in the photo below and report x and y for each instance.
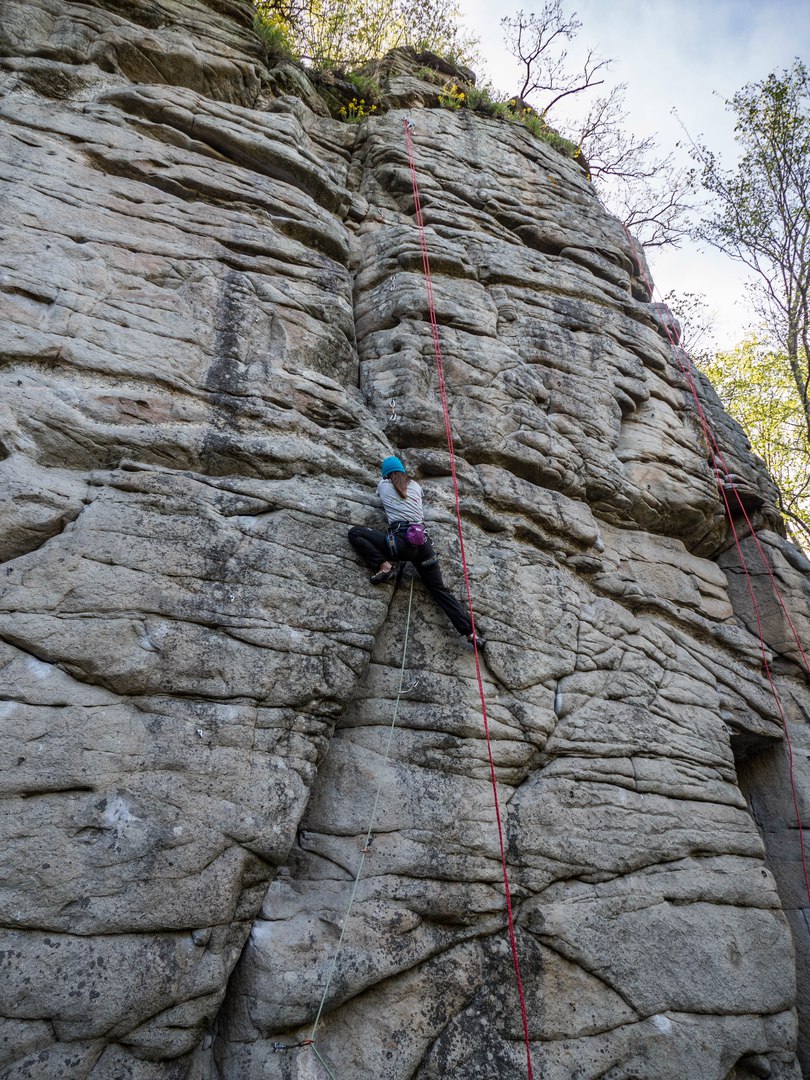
(211, 293)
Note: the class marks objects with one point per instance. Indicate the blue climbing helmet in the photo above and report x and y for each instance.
(391, 465)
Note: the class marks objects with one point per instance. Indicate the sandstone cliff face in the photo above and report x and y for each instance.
(211, 292)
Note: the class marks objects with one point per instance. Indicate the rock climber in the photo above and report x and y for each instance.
(407, 541)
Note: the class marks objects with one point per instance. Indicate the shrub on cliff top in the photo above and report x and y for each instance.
(348, 33)
(274, 36)
(480, 99)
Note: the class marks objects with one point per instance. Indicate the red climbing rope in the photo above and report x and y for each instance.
(727, 482)
(437, 348)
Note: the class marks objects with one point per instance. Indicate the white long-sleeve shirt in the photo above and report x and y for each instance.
(399, 509)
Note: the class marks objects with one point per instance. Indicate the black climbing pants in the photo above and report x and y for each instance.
(374, 547)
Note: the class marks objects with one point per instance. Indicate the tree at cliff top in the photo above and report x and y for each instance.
(761, 211)
(349, 33)
(644, 189)
(756, 385)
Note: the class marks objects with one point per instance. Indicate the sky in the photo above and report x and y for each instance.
(687, 55)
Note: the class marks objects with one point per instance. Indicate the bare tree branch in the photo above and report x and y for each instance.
(636, 183)
(534, 41)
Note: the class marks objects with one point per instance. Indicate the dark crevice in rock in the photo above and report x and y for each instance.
(25, 793)
(770, 804)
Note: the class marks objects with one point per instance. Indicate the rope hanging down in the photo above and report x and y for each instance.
(724, 476)
(437, 348)
(369, 839)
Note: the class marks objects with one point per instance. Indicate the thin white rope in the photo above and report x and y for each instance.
(318, 1056)
(368, 833)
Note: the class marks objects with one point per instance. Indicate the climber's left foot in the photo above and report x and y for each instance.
(383, 574)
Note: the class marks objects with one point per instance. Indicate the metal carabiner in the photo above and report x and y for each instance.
(417, 681)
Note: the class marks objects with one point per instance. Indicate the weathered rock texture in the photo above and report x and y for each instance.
(210, 293)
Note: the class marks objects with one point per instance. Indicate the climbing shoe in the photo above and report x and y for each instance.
(383, 575)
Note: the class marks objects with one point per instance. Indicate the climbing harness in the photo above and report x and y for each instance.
(727, 487)
(415, 534)
(437, 349)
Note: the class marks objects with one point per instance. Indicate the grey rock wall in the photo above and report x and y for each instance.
(210, 293)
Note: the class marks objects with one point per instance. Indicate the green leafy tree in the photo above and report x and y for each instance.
(761, 214)
(757, 387)
(350, 33)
